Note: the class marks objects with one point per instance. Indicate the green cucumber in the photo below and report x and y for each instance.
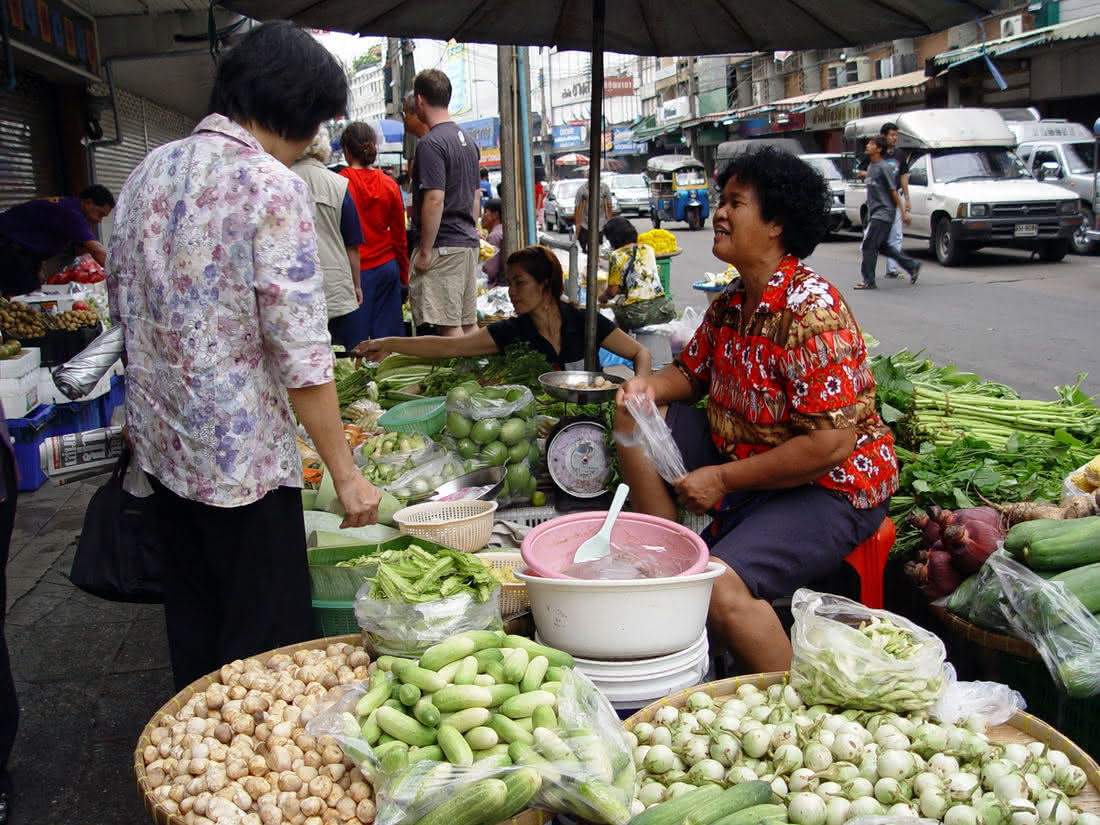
(459, 697)
(552, 687)
(552, 747)
(369, 730)
(483, 639)
(496, 670)
(467, 670)
(429, 753)
(482, 738)
(447, 672)
(526, 723)
(515, 664)
(469, 719)
(522, 786)
(675, 810)
(535, 674)
(380, 685)
(426, 680)
(544, 717)
(405, 728)
(393, 703)
(484, 680)
(455, 747)
(524, 705)
(452, 650)
(408, 695)
(471, 805)
(508, 730)
(753, 815)
(730, 801)
(388, 663)
(533, 648)
(489, 654)
(502, 693)
(426, 713)
(554, 673)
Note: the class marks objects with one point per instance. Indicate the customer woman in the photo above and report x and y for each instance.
(214, 278)
(789, 456)
(633, 280)
(543, 321)
(338, 234)
(384, 254)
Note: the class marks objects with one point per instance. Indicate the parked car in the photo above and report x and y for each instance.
(1062, 153)
(631, 193)
(560, 202)
(836, 168)
(968, 188)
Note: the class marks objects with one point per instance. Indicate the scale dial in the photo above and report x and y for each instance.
(578, 458)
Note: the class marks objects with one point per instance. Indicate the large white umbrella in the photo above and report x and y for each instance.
(655, 27)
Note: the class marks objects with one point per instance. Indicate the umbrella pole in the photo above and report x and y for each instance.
(595, 202)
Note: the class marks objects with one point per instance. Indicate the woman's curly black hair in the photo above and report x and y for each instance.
(790, 192)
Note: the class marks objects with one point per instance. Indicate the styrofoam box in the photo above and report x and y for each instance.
(22, 398)
(48, 393)
(26, 361)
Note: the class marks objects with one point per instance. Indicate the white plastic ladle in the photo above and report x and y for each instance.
(600, 544)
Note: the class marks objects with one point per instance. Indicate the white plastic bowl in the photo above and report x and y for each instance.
(621, 669)
(632, 619)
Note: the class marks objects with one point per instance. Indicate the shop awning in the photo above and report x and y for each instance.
(1071, 30)
(650, 132)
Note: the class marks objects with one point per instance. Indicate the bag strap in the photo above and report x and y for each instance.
(628, 271)
(121, 465)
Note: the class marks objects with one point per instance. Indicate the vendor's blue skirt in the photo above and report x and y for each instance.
(380, 313)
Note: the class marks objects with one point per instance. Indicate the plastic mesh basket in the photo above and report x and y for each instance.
(334, 618)
(423, 415)
(463, 525)
(513, 595)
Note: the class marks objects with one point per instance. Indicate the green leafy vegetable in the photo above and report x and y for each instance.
(413, 575)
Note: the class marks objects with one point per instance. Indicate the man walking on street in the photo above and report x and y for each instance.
(883, 203)
(898, 163)
(580, 216)
(446, 206)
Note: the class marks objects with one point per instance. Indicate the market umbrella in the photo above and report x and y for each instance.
(655, 27)
(571, 159)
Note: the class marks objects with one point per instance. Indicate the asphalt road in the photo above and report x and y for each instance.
(1028, 324)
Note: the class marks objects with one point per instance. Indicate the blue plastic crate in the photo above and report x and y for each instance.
(114, 399)
(27, 435)
(76, 417)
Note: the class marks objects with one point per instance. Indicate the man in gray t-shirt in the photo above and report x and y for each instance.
(446, 206)
(882, 202)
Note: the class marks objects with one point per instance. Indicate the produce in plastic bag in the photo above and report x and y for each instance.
(978, 600)
(1082, 482)
(483, 761)
(420, 480)
(1055, 621)
(387, 470)
(652, 434)
(476, 402)
(992, 702)
(417, 599)
(853, 656)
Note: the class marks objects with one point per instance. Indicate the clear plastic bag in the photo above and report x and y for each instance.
(1052, 619)
(653, 435)
(405, 451)
(853, 656)
(402, 629)
(512, 400)
(1082, 482)
(629, 563)
(979, 598)
(993, 702)
(519, 485)
(585, 766)
(440, 467)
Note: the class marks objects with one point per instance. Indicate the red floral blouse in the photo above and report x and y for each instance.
(801, 365)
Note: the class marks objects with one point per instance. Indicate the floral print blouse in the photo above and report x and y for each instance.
(800, 365)
(213, 275)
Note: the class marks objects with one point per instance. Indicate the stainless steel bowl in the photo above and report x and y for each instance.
(474, 478)
(568, 385)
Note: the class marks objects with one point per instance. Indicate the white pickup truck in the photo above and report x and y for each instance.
(968, 189)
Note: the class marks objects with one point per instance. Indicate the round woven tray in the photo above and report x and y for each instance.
(985, 638)
(163, 817)
(1023, 728)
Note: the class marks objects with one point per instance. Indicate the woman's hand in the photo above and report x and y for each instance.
(360, 500)
(373, 349)
(703, 489)
(634, 386)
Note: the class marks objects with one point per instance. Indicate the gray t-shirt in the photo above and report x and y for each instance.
(582, 201)
(447, 159)
(880, 185)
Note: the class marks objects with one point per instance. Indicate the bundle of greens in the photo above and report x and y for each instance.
(414, 576)
(517, 364)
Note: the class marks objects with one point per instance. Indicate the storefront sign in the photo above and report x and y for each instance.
(485, 132)
(456, 64)
(618, 86)
(673, 109)
(570, 137)
(622, 142)
(490, 156)
(832, 117)
(56, 29)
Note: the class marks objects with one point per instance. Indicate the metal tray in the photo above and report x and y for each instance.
(475, 478)
(565, 386)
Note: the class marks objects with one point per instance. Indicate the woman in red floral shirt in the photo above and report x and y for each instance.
(789, 456)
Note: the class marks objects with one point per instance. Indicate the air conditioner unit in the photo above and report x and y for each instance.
(835, 75)
(1012, 26)
(858, 70)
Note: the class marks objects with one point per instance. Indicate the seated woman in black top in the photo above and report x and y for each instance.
(543, 321)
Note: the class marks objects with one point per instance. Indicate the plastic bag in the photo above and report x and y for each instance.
(652, 434)
(442, 466)
(401, 448)
(1082, 482)
(402, 629)
(492, 402)
(522, 463)
(592, 778)
(993, 702)
(841, 656)
(978, 600)
(684, 328)
(630, 563)
(1052, 619)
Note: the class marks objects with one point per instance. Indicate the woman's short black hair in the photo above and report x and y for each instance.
(280, 78)
(359, 141)
(790, 192)
(98, 194)
(541, 264)
(620, 232)
(493, 205)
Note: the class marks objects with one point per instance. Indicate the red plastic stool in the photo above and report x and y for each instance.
(869, 560)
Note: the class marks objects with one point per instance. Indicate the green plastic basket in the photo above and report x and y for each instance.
(424, 415)
(334, 618)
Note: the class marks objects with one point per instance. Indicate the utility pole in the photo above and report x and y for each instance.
(509, 138)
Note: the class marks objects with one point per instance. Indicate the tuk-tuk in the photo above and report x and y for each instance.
(677, 190)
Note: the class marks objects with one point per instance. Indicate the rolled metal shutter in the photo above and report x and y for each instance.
(113, 164)
(29, 157)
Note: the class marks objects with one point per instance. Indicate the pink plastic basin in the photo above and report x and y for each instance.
(549, 548)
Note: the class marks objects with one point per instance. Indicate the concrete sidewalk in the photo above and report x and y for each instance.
(89, 674)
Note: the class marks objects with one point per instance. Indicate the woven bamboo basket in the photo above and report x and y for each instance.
(985, 638)
(1022, 728)
(163, 817)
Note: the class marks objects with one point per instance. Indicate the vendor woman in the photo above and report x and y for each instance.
(789, 456)
(543, 321)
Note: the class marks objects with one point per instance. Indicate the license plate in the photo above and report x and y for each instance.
(1026, 230)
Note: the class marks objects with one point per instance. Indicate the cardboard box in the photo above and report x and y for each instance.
(19, 395)
(26, 361)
